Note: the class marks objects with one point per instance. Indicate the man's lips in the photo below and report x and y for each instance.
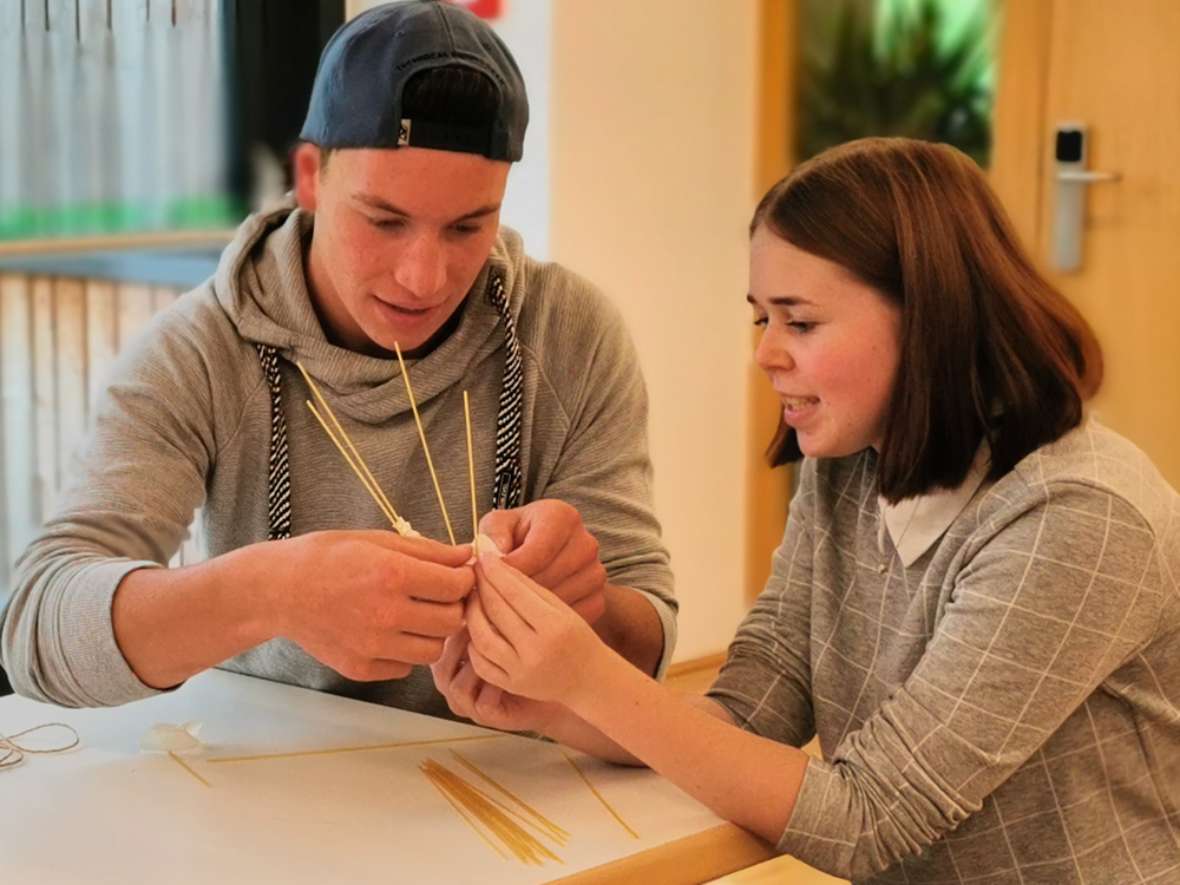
(408, 311)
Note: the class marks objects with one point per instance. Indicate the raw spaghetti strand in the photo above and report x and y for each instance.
(555, 832)
(361, 748)
(491, 814)
(471, 475)
(400, 525)
(422, 436)
(187, 767)
(600, 797)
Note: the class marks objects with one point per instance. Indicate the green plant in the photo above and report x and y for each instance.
(899, 69)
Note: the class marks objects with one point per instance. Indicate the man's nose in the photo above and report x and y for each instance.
(421, 269)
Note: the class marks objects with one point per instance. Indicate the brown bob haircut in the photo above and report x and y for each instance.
(989, 349)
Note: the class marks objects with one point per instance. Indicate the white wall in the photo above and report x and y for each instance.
(652, 170)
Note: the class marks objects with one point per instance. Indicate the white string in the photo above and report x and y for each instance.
(15, 753)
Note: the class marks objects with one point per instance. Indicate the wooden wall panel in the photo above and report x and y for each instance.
(58, 341)
(16, 442)
(45, 406)
(102, 335)
(69, 313)
(135, 310)
(768, 491)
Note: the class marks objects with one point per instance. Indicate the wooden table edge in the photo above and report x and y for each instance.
(697, 858)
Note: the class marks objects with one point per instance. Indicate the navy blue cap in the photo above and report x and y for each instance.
(356, 101)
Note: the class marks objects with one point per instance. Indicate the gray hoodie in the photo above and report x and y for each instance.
(186, 423)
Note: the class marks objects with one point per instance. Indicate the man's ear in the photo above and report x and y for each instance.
(306, 164)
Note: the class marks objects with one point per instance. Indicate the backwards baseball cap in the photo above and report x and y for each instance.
(356, 101)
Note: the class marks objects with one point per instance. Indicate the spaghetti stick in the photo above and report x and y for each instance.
(390, 515)
(401, 526)
(463, 814)
(455, 788)
(187, 768)
(422, 436)
(492, 814)
(492, 800)
(471, 476)
(599, 796)
(553, 829)
(356, 749)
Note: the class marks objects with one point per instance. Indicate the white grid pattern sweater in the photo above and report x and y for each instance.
(1002, 710)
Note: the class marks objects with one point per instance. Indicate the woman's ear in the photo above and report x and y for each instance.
(306, 165)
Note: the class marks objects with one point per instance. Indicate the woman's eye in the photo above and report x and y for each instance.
(801, 327)
(760, 321)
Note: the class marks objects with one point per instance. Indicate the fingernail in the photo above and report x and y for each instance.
(486, 544)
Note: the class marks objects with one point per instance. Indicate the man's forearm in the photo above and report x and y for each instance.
(171, 624)
(632, 628)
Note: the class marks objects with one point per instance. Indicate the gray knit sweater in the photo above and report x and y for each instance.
(997, 704)
(186, 423)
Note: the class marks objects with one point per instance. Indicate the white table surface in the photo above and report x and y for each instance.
(108, 813)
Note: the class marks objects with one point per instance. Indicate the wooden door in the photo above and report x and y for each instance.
(1115, 68)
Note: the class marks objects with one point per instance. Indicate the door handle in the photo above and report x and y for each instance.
(1071, 177)
(1086, 177)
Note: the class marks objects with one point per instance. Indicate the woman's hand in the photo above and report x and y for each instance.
(524, 639)
(472, 698)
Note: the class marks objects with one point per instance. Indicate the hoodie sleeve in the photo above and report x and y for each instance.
(130, 497)
(603, 468)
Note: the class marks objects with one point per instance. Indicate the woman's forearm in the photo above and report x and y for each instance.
(750, 780)
(570, 729)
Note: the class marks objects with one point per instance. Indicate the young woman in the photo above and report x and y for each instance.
(974, 605)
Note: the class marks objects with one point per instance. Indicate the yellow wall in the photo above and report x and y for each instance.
(653, 115)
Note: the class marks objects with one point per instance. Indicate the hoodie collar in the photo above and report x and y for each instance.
(261, 284)
(915, 524)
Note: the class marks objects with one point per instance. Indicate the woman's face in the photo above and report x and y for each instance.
(830, 346)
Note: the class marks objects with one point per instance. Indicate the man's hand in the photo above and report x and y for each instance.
(370, 604)
(547, 541)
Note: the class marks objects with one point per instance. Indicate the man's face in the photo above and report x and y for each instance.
(400, 236)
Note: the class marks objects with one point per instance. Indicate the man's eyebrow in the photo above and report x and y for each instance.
(784, 301)
(386, 206)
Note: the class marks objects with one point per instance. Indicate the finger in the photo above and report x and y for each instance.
(490, 709)
(438, 619)
(516, 629)
(486, 639)
(428, 580)
(413, 649)
(579, 553)
(500, 526)
(420, 548)
(372, 669)
(528, 599)
(543, 540)
(590, 608)
(454, 653)
(487, 700)
(590, 580)
(464, 689)
(487, 671)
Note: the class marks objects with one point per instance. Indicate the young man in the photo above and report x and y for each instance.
(417, 112)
